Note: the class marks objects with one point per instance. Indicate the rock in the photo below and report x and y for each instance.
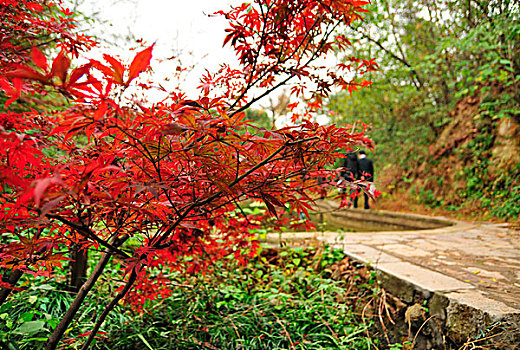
(506, 148)
(415, 314)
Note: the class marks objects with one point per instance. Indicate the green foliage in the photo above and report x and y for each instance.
(259, 118)
(399, 346)
(279, 300)
(28, 317)
(426, 196)
(502, 198)
(495, 192)
(434, 56)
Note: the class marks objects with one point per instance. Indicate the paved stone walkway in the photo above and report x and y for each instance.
(479, 256)
(472, 264)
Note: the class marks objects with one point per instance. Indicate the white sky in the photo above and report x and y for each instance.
(178, 27)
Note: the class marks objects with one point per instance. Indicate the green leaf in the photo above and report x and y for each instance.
(5, 307)
(53, 323)
(26, 316)
(145, 342)
(31, 327)
(42, 339)
(45, 287)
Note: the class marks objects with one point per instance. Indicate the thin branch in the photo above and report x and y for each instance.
(419, 83)
(60, 329)
(86, 232)
(110, 307)
(199, 203)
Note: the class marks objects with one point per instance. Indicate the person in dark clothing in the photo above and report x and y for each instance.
(366, 173)
(351, 166)
(349, 173)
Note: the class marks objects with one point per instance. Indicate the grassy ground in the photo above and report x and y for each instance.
(280, 300)
(300, 298)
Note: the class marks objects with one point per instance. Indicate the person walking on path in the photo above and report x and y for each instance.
(351, 166)
(350, 173)
(366, 173)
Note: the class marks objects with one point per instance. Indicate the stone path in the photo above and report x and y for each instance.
(481, 257)
(475, 265)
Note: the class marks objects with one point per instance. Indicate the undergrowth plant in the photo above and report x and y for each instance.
(283, 299)
(280, 300)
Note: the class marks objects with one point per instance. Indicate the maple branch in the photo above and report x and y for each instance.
(110, 307)
(86, 232)
(263, 37)
(313, 57)
(196, 204)
(44, 43)
(60, 329)
(255, 99)
(14, 276)
(241, 210)
(148, 155)
(12, 280)
(275, 65)
(262, 185)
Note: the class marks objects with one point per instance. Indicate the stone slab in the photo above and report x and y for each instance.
(407, 250)
(366, 254)
(423, 278)
(475, 283)
(470, 312)
(480, 272)
(477, 300)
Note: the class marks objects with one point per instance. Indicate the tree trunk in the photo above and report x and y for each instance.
(109, 308)
(12, 280)
(56, 336)
(78, 268)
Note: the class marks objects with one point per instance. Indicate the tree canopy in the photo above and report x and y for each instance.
(448, 82)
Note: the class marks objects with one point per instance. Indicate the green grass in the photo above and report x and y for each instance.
(280, 300)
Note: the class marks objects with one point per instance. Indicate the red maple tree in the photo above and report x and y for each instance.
(160, 186)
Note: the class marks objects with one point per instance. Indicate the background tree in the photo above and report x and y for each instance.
(277, 106)
(440, 105)
(258, 117)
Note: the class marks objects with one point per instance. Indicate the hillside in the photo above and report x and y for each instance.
(472, 168)
(444, 107)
